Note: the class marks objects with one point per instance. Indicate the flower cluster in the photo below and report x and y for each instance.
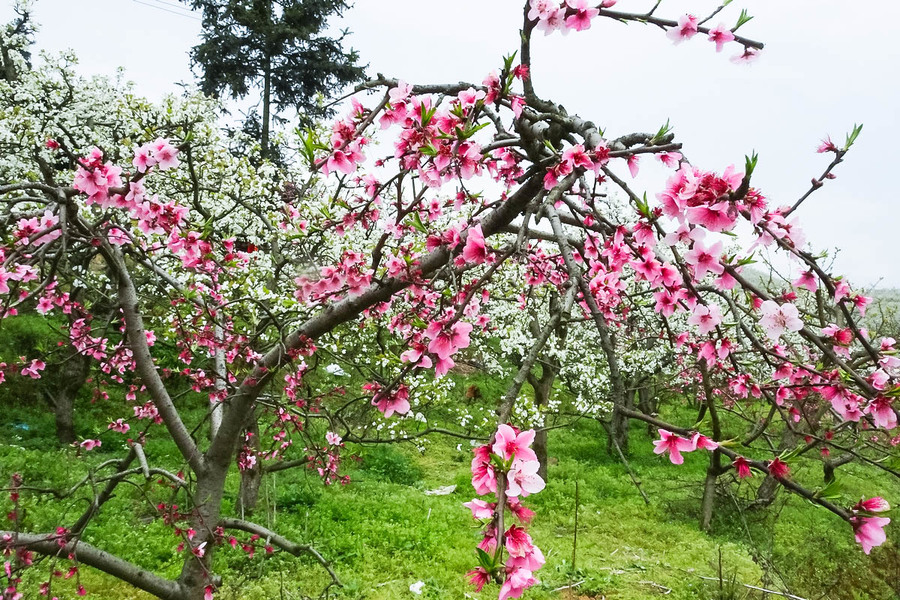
(869, 529)
(675, 445)
(510, 462)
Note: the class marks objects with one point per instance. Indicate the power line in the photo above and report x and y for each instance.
(168, 10)
(176, 5)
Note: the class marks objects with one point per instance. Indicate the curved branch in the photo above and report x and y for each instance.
(51, 544)
(281, 542)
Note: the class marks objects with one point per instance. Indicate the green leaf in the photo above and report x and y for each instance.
(485, 560)
(663, 131)
(743, 19)
(643, 206)
(832, 491)
(417, 223)
(851, 137)
(750, 164)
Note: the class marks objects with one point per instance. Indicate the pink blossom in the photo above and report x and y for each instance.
(807, 281)
(827, 146)
(523, 479)
(396, 401)
(478, 577)
(165, 154)
(685, 30)
(869, 531)
(333, 438)
(581, 20)
(475, 251)
(700, 441)
(673, 444)
(517, 581)
(554, 20)
(518, 542)
(484, 480)
(706, 317)
(445, 342)
(468, 98)
(721, 35)
(522, 513)
(142, 159)
(89, 445)
(742, 466)
(509, 443)
(480, 509)
(705, 259)
(44, 305)
(778, 468)
(882, 413)
(532, 561)
(670, 159)
(872, 505)
(576, 157)
(119, 425)
(542, 9)
(34, 369)
(777, 319)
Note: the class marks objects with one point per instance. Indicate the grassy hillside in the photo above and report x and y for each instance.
(383, 533)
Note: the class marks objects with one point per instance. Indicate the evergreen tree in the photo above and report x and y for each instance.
(278, 46)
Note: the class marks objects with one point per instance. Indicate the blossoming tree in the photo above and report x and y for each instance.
(432, 190)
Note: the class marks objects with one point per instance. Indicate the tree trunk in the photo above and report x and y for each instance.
(708, 505)
(70, 377)
(194, 576)
(266, 116)
(542, 388)
(64, 410)
(619, 425)
(251, 478)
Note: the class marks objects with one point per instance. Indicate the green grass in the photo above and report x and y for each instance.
(382, 533)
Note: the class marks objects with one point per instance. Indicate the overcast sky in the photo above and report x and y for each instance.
(827, 64)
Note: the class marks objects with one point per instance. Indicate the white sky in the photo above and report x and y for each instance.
(827, 64)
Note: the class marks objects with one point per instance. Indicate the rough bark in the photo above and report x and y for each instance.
(251, 478)
(542, 387)
(70, 378)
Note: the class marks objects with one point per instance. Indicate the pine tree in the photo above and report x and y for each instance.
(278, 47)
